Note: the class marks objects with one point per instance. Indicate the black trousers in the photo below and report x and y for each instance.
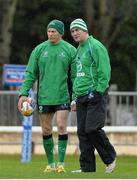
(91, 114)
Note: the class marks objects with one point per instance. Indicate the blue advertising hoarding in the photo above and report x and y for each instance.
(13, 75)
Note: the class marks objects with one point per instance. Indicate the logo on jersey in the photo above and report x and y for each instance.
(62, 55)
(80, 74)
(79, 66)
(45, 54)
(40, 109)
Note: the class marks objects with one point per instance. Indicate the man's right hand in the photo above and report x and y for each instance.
(73, 106)
(21, 100)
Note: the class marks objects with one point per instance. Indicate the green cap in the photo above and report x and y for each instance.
(58, 25)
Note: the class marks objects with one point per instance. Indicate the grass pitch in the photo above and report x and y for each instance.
(12, 168)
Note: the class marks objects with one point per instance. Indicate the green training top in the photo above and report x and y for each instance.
(49, 63)
(93, 68)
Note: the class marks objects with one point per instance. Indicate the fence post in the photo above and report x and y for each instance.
(113, 106)
(135, 103)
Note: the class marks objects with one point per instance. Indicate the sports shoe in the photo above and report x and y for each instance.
(77, 171)
(60, 169)
(50, 169)
(110, 167)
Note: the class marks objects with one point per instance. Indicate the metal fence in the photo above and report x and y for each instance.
(121, 111)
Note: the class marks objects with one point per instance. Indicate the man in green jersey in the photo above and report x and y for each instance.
(90, 91)
(49, 64)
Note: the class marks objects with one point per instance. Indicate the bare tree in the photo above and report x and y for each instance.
(7, 10)
(106, 17)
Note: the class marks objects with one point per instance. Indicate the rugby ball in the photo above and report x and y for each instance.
(27, 108)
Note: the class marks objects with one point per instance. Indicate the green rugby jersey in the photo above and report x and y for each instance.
(49, 63)
(93, 68)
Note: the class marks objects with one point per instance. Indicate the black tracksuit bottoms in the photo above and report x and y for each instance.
(91, 115)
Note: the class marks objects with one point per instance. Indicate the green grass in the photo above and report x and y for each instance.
(12, 168)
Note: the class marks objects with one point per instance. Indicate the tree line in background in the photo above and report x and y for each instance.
(114, 22)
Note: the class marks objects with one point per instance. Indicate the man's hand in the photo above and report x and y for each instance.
(73, 106)
(21, 100)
